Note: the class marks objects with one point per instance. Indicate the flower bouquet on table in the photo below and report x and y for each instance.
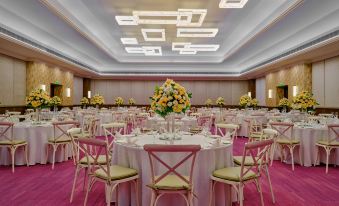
(209, 102)
(84, 102)
(38, 99)
(254, 103)
(245, 101)
(55, 102)
(284, 103)
(97, 100)
(131, 101)
(119, 101)
(220, 101)
(305, 101)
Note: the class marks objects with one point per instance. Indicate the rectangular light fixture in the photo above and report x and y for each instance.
(249, 94)
(68, 92)
(89, 94)
(160, 31)
(181, 17)
(146, 50)
(295, 91)
(232, 3)
(270, 94)
(43, 87)
(197, 32)
(189, 48)
(129, 40)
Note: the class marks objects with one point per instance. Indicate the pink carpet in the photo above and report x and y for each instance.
(39, 185)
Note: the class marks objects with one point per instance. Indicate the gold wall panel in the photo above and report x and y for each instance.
(41, 73)
(297, 75)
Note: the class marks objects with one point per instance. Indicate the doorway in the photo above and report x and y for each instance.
(282, 92)
(56, 90)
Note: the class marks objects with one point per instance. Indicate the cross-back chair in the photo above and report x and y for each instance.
(171, 181)
(238, 177)
(227, 130)
(60, 138)
(111, 175)
(8, 141)
(112, 131)
(286, 139)
(331, 141)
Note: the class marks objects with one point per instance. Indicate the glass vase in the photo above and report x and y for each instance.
(38, 115)
(55, 108)
(170, 123)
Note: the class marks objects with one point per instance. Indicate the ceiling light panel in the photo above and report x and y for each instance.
(232, 3)
(146, 50)
(197, 32)
(129, 41)
(182, 17)
(189, 48)
(160, 31)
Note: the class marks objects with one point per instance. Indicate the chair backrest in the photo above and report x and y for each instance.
(92, 149)
(60, 128)
(284, 129)
(6, 131)
(3, 117)
(75, 149)
(205, 121)
(259, 158)
(189, 150)
(230, 118)
(253, 125)
(230, 130)
(333, 133)
(111, 131)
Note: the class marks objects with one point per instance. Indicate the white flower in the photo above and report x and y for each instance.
(169, 104)
(170, 97)
(175, 102)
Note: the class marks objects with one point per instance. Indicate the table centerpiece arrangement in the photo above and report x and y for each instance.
(38, 99)
(304, 101)
(284, 103)
(55, 102)
(119, 101)
(84, 102)
(131, 101)
(97, 100)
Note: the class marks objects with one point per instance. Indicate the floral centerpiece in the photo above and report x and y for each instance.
(284, 103)
(220, 101)
(131, 101)
(97, 100)
(245, 101)
(171, 97)
(209, 102)
(38, 99)
(254, 102)
(304, 101)
(55, 102)
(119, 101)
(84, 101)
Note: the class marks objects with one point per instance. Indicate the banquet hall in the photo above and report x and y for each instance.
(163, 103)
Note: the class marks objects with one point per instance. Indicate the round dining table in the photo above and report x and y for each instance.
(36, 136)
(128, 152)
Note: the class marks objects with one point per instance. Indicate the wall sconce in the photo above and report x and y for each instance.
(43, 87)
(249, 94)
(89, 94)
(295, 91)
(68, 92)
(270, 94)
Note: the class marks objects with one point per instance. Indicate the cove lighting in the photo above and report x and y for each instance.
(270, 94)
(197, 32)
(249, 94)
(68, 92)
(181, 17)
(129, 40)
(295, 91)
(146, 31)
(189, 48)
(89, 94)
(146, 50)
(43, 87)
(232, 3)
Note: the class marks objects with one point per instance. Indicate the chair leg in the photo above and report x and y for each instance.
(153, 198)
(47, 148)
(85, 178)
(210, 193)
(317, 156)
(117, 196)
(241, 194)
(300, 155)
(87, 191)
(272, 152)
(270, 183)
(137, 200)
(291, 152)
(327, 158)
(260, 191)
(74, 182)
(55, 147)
(26, 154)
(12, 150)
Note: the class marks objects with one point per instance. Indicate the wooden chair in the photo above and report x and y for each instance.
(8, 141)
(230, 130)
(286, 139)
(331, 141)
(238, 177)
(60, 138)
(171, 181)
(111, 175)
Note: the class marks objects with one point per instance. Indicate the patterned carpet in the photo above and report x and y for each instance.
(39, 185)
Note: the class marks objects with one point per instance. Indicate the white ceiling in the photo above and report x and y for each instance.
(86, 31)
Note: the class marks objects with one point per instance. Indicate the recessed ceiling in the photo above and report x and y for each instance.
(226, 41)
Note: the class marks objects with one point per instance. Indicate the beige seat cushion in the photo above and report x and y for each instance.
(233, 174)
(287, 141)
(14, 142)
(62, 139)
(248, 160)
(116, 173)
(333, 143)
(82, 135)
(171, 182)
(101, 160)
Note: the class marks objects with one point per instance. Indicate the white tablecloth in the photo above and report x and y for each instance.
(37, 138)
(208, 159)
